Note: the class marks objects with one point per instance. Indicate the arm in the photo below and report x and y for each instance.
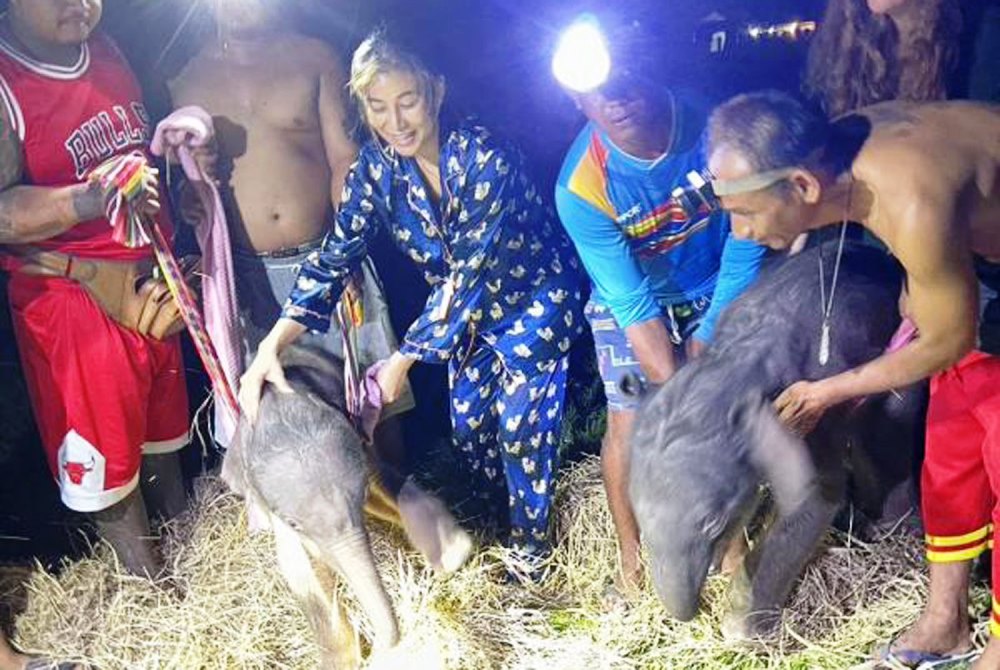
(340, 148)
(621, 281)
(942, 303)
(33, 213)
(324, 274)
(740, 264)
(266, 366)
(318, 286)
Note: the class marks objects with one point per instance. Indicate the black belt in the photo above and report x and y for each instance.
(288, 252)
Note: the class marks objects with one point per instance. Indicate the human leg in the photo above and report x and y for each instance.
(615, 361)
(957, 503)
(90, 382)
(530, 411)
(474, 424)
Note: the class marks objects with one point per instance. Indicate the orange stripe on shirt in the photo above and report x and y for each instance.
(589, 180)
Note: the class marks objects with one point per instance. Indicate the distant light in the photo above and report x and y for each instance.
(582, 61)
(793, 30)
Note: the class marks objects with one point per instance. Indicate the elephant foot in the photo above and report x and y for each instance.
(432, 530)
(458, 548)
(747, 626)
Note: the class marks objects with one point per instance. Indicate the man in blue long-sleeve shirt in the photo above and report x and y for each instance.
(660, 280)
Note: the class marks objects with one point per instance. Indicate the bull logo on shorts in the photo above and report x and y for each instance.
(77, 471)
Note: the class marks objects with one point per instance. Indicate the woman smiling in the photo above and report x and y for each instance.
(505, 304)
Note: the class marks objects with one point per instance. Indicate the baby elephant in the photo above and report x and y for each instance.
(302, 466)
(705, 441)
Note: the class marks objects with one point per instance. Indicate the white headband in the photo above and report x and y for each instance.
(754, 182)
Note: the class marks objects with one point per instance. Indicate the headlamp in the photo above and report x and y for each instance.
(697, 199)
(582, 60)
(700, 197)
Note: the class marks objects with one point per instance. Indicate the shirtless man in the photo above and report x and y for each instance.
(276, 98)
(924, 179)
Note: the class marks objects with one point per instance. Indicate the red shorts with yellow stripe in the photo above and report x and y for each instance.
(960, 483)
(103, 395)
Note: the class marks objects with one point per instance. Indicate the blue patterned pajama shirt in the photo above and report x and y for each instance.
(506, 303)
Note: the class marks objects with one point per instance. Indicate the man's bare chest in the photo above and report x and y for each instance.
(265, 98)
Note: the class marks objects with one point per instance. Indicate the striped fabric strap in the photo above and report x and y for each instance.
(188, 306)
(349, 315)
(126, 178)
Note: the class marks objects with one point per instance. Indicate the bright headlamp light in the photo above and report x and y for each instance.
(582, 61)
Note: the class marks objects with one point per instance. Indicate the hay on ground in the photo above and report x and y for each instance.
(235, 611)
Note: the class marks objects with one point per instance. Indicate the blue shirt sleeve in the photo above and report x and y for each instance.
(608, 258)
(325, 272)
(740, 264)
(482, 203)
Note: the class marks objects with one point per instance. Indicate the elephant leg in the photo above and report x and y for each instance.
(760, 589)
(351, 556)
(380, 504)
(312, 585)
(432, 529)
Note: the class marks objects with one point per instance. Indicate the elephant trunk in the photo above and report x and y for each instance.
(354, 561)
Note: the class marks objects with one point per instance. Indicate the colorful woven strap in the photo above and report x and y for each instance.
(125, 177)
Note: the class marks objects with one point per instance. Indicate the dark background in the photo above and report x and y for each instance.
(495, 55)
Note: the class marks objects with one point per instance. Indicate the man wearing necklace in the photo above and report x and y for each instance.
(107, 386)
(660, 278)
(923, 178)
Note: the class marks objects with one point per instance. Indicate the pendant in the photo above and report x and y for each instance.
(824, 343)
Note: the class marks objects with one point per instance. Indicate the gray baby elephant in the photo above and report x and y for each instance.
(302, 468)
(705, 441)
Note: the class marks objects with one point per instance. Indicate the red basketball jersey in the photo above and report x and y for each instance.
(70, 120)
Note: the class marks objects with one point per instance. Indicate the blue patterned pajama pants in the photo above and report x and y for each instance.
(507, 426)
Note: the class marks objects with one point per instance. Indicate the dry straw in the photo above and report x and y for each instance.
(235, 611)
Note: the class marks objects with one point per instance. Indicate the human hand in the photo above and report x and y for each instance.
(159, 314)
(207, 158)
(265, 368)
(190, 206)
(802, 405)
(95, 200)
(391, 377)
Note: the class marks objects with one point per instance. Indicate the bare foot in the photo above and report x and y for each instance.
(625, 590)
(931, 634)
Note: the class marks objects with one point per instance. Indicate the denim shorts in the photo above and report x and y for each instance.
(614, 352)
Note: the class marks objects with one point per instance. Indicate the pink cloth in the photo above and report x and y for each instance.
(181, 132)
(364, 399)
(906, 332)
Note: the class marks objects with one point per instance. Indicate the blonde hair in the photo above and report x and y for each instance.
(378, 54)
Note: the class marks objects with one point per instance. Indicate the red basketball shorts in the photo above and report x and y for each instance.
(102, 395)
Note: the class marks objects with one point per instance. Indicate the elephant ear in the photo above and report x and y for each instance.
(780, 457)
